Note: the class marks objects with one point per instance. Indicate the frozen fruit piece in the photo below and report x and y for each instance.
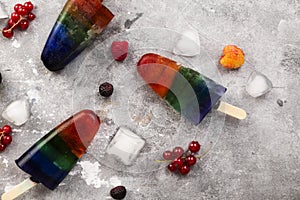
(118, 192)
(280, 102)
(18, 112)
(28, 6)
(106, 89)
(177, 152)
(258, 84)
(125, 145)
(186, 90)
(172, 167)
(7, 32)
(184, 170)
(51, 158)
(6, 140)
(6, 129)
(119, 50)
(188, 44)
(24, 24)
(31, 16)
(191, 160)
(2, 147)
(78, 24)
(232, 57)
(194, 146)
(168, 155)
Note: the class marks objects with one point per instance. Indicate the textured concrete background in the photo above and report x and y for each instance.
(257, 158)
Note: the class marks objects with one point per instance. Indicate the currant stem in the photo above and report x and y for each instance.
(16, 24)
(1, 134)
(199, 156)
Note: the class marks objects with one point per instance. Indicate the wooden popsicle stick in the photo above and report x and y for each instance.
(231, 110)
(18, 189)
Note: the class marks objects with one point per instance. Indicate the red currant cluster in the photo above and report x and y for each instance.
(5, 137)
(19, 18)
(182, 161)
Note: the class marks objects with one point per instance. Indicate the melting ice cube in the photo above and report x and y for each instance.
(258, 84)
(18, 112)
(3, 13)
(188, 44)
(288, 30)
(125, 145)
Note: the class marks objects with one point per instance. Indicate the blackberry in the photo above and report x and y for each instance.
(118, 192)
(106, 89)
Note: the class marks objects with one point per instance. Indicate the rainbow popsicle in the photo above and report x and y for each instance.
(51, 158)
(78, 24)
(187, 91)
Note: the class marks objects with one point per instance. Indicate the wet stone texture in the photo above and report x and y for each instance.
(257, 158)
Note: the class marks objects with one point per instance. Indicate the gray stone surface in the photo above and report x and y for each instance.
(257, 158)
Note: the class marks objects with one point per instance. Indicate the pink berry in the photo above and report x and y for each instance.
(6, 129)
(24, 24)
(191, 160)
(17, 6)
(15, 16)
(178, 151)
(31, 16)
(2, 147)
(167, 155)
(172, 167)
(119, 50)
(194, 146)
(6, 32)
(184, 169)
(28, 6)
(6, 139)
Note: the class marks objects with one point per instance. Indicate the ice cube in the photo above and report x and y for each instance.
(288, 30)
(258, 84)
(125, 146)
(3, 13)
(188, 44)
(18, 112)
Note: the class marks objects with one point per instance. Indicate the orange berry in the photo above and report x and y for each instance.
(232, 57)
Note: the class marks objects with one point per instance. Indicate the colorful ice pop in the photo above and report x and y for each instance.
(78, 24)
(51, 158)
(187, 91)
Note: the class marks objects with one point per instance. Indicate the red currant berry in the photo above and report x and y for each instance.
(15, 16)
(31, 16)
(22, 11)
(28, 6)
(168, 155)
(17, 6)
(184, 169)
(10, 23)
(2, 147)
(179, 162)
(191, 160)
(178, 151)
(6, 129)
(194, 146)
(24, 24)
(6, 32)
(6, 140)
(172, 167)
